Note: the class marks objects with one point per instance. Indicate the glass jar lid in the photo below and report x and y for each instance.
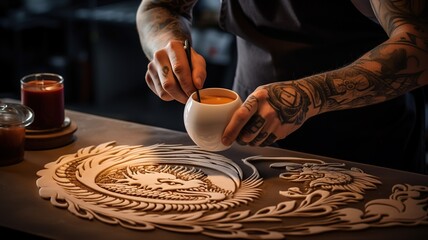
(14, 114)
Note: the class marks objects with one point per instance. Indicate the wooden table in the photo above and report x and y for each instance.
(285, 184)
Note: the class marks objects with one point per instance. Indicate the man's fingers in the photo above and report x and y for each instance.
(241, 116)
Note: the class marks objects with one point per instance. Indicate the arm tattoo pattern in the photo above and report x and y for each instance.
(396, 13)
(415, 42)
(167, 16)
(357, 86)
(354, 86)
(183, 7)
(290, 102)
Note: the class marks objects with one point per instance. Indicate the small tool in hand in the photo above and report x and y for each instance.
(189, 59)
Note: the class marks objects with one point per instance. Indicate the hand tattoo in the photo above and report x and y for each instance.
(254, 124)
(269, 140)
(289, 101)
(165, 71)
(250, 102)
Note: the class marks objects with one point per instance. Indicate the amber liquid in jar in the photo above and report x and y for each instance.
(46, 99)
(12, 142)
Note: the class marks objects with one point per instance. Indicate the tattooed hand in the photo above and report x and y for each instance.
(168, 74)
(270, 113)
(163, 26)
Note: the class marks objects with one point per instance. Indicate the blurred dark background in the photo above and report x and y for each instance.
(94, 45)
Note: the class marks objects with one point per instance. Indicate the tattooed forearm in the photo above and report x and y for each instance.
(182, 7)
(393, 14)
(387, 72)
(395, 67)
(335, 90)
(159, 21)
(164, 23)
(160, 27)
(414, 41)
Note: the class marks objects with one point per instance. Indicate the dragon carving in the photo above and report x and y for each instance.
(326, 176)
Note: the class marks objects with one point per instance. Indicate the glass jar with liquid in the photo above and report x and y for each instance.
(13, 120)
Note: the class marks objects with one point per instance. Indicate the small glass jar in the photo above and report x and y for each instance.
(13, 120)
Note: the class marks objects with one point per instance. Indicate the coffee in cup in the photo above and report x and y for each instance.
(215, 99)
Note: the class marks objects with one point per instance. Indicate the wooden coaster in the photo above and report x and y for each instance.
(50, 139)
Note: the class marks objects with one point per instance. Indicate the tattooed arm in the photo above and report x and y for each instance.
(393, 68)
(163, 26)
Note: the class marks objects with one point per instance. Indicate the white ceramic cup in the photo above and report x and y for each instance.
(205, 122)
